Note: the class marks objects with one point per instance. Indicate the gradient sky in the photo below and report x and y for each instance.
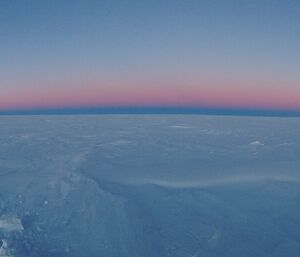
(184, 53)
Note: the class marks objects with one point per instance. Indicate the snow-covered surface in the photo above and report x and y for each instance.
(10, 223)
(149, 186)
(4, 252)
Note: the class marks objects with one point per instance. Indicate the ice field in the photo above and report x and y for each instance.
(149, 186)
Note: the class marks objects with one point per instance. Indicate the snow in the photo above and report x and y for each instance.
(256, 143)
(149, 186)
(3, 249)
(10, 223)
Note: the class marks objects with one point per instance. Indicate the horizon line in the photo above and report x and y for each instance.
(153, 110)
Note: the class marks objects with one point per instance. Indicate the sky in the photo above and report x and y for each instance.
(237, 55)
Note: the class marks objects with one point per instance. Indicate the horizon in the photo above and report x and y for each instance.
(153, 110)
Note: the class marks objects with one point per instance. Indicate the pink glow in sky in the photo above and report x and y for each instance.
(202, 93)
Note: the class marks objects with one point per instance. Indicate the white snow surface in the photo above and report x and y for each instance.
(149, 186)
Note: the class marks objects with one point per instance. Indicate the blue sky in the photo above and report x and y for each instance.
(149, 53)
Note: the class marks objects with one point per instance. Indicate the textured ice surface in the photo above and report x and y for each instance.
(10, 223)
(149, 186)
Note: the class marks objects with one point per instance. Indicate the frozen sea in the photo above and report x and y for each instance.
(149, 186)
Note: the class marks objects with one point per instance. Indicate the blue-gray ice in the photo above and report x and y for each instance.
(149, 186)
